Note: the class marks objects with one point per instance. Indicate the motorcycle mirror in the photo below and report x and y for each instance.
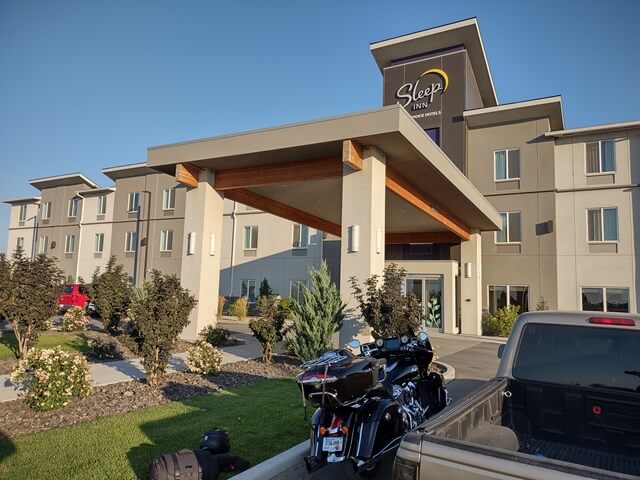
(423, 337)
(354, 344)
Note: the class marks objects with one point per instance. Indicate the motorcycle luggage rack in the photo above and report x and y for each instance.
(326, 359)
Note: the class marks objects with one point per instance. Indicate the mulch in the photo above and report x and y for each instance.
(17, 418)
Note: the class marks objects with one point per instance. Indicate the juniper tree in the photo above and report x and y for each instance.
(111, 294)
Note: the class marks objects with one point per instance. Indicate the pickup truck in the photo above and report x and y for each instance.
(565, 404)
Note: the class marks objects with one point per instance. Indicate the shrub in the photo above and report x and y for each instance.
(221, 301)
(542, 305)
(159, 310)
(111, 294)
(215, 336)
(268, 328)
(52, 377)
(501, 323)
(74, 319)
(385, 308)
(239, 308)
(29, 296)
(265, 289)
(100, 349)
(130, 342)
(203, 358)
(317, 318)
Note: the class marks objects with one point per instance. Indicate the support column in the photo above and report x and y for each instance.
(471, 285)
(200, 271)
(363, 233)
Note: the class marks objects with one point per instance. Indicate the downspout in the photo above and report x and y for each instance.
(79, 237)
(35, 233)
(233, 245)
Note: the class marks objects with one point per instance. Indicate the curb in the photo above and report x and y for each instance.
(289, 465)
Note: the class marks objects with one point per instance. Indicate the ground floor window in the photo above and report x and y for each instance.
(506, 295)
(601, 299)
(20, 242)
(295, 289)
(248, 290)
(428, 291)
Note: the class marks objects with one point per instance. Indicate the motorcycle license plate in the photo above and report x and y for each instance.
(332, 444)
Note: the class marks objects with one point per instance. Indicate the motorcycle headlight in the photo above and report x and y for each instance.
(404, 339)
(379, 342)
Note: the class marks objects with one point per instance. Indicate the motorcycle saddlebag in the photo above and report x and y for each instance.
(216, 441)
(184, 465)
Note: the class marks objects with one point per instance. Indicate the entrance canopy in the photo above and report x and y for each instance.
(296, 172)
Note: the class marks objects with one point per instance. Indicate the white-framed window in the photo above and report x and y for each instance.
(20, 242)
(295, 289)
(133, 202)
(300, 236)
(602, 225)
(43, 244)
(511, 231)
(506, 164)
(22, 213)
(248, 289)
(250, 240)
(166, 240)
(130, 241)
(101, 206)
(169, 199)
(605, 299)
(98, 243)
(69, 243)
(73, 207)
(505, 295)
(46, 211)
(600, 157)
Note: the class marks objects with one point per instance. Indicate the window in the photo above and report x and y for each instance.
(46, 210)
(133, 202)
(166, 240)
(22, 215)
(511, 231)
(73, 207)
(69, 243)
(169, 199)
(505, 295)
(295, 290)
(20, 242)
(300, 236)
(249, 290)
(43, 244)
(601, 157)
(98, 243)
(600, 299)
(506, 164)
(130, 241)
(250, 237)
(102, 205)
(602, 225)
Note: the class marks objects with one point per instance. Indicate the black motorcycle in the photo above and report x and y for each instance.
(367, 402)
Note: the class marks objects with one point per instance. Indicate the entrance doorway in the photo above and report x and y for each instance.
(428, 290)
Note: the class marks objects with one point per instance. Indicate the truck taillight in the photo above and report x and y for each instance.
(404, 470)
(625, 322)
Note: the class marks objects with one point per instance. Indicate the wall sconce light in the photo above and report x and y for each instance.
(354, 238)
(467, 270)
(191, 243)
(212, 245)
(379, 240)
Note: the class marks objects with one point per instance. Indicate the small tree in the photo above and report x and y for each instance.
(318, 317)
(29, 297)
(542, 305)
(268, 328)
(111, 294)
(160, 310)
(385, 308)
(501, 322)
(265, 289)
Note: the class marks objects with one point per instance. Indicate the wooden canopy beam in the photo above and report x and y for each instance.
(296, 171)
(421, 237)
(408, 192)
(280, 209)
(352, 154)
(187, 174)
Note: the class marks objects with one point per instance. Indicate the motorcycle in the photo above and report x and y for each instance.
(367, 402)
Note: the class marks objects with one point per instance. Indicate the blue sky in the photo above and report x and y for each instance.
(87, 84)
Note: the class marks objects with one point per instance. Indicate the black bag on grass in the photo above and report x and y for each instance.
(216, 441)
(196, 464)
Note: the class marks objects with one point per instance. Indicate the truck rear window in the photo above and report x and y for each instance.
(595, 357)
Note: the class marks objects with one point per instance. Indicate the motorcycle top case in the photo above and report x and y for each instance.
(343, 374)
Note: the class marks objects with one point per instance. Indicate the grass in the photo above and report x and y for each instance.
(68, 341)
(263, 419)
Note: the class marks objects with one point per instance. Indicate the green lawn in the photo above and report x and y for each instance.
(69, 342)
(263, 419)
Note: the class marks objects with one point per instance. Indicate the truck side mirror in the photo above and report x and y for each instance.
(501, 348)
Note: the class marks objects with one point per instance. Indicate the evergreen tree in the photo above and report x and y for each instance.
(265, 289)
(111, 294)
(317, 317)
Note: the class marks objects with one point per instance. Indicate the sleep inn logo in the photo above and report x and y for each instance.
(421, 95)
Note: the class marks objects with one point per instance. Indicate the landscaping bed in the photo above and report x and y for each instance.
(17, 418)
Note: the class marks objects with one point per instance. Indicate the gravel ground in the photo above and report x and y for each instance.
(17, 418)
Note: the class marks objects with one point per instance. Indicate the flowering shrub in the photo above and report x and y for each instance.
(51, 377)
(203, 358)
(75, 319)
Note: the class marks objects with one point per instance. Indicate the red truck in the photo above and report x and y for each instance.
(73, 295)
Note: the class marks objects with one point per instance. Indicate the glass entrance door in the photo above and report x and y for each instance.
(428, 290)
